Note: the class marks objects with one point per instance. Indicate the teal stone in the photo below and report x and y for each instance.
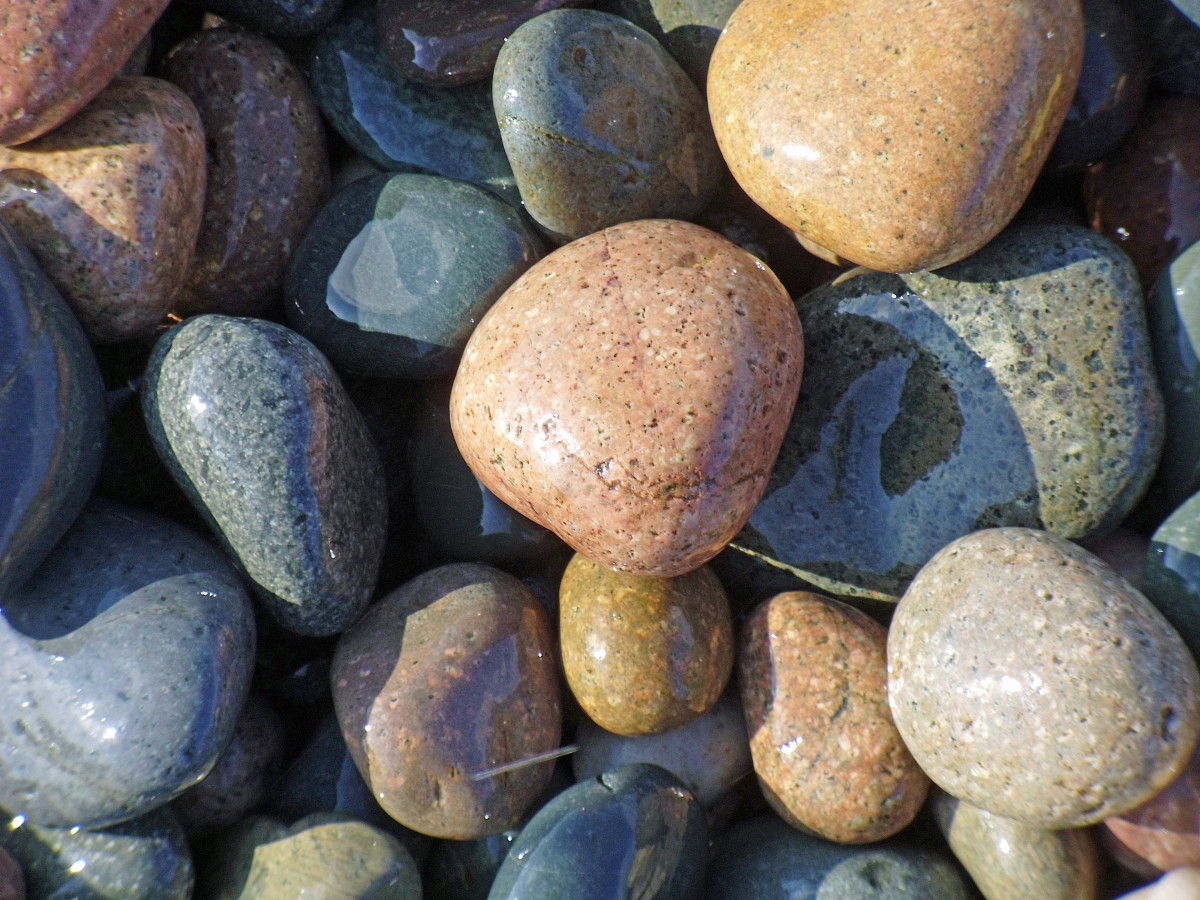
(1013, 388)
(1171, 572)
(402, 125)
(396, 270)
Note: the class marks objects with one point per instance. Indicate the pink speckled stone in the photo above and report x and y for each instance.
(631, 392)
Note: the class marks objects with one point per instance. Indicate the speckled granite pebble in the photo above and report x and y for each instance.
(1011, 861)
(1029, 679)
(449, 676)
(898, 135)
(111, 202)
(256, 428)
(600, 124)
(676, 358)
(1164, 832)
(829, 759)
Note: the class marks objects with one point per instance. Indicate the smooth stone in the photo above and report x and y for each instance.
(58, 56)
(1032, 681)
(110, 203)
(1171, 572)
(1014, 388)
(651, 445)
(601, 125)
(1164, 832)
(1181, 884)
(127, 659)
(276, 18)
(257, 430)
(404, 125)
(634, 831)
(1190, 8)
(766, 859)
(813, 677)
(456, 42)
(1011, 861)
(52, 414)
(144, 859)
(709, 755)
(444, 680)
(465, 870)
(268, 170)
(1146, 195)
(12, 879)
(396, 271)
(643, 654)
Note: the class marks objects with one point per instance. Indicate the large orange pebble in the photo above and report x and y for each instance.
(630, 392)
(897, 134)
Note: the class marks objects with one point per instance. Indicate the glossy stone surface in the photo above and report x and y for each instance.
(1014, 388)
(255, 426)
(899, 136)
(268, 170)
(58, 56)
(397, 270)
(1171, 571)
(277, 18)
(445, 679)
(1030, 680)
(643, 655)
(766, 859)
(110, 204)
(677, 359)
(1146, 195)
(1008, 860)
(1164, 832)
(600, 124)
(399, 124)
(52, 414)
(813, 677)
(651, 829)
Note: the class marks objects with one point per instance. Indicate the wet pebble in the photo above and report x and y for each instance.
(1164, 832)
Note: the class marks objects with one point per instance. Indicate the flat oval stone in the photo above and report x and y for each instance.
(268, 170)
(447, 678)
(1007, 859)
(52, 414)
(813, 676)
(1032, 681)
(58, 56)
(600, 124)
(652, 831)
(257, 430)
(1014, 388)
(1164, 832)
(396, 271)
(111, 203)
(898, 136)
(1171, 572)
(676, 358)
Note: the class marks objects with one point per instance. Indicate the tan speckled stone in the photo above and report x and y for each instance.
(1031, 680)
(110, 204)
(814, 690)
(630, 392)
(900, 135)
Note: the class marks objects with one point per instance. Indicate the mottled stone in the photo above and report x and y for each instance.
(1164, 832)
(677, 359)
(58, 56)
(277, 18)
(397, 270)
(52, 415)
(143, 859)
(449, 677)
(110, 204)
(813, 676)
(1011, 861)
(256, 428)
(404, 125)
(649, 829)
(600, 124)
(1146, 195)
(1031, 680)
(268, 171)
(643, 654)
(1171, 572)
(710, 754)
(465, 870)
(1014, 388)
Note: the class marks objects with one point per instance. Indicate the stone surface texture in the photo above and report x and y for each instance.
(630, 392)
(1030, 680)
(1164, 832)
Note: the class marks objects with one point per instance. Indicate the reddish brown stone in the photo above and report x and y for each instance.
(644, 655)
(1165, 831)
(813, 677)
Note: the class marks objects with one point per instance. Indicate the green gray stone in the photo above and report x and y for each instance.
(1013, 388)
(1171, 573)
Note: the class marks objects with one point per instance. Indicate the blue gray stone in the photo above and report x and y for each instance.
(1171, 572)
